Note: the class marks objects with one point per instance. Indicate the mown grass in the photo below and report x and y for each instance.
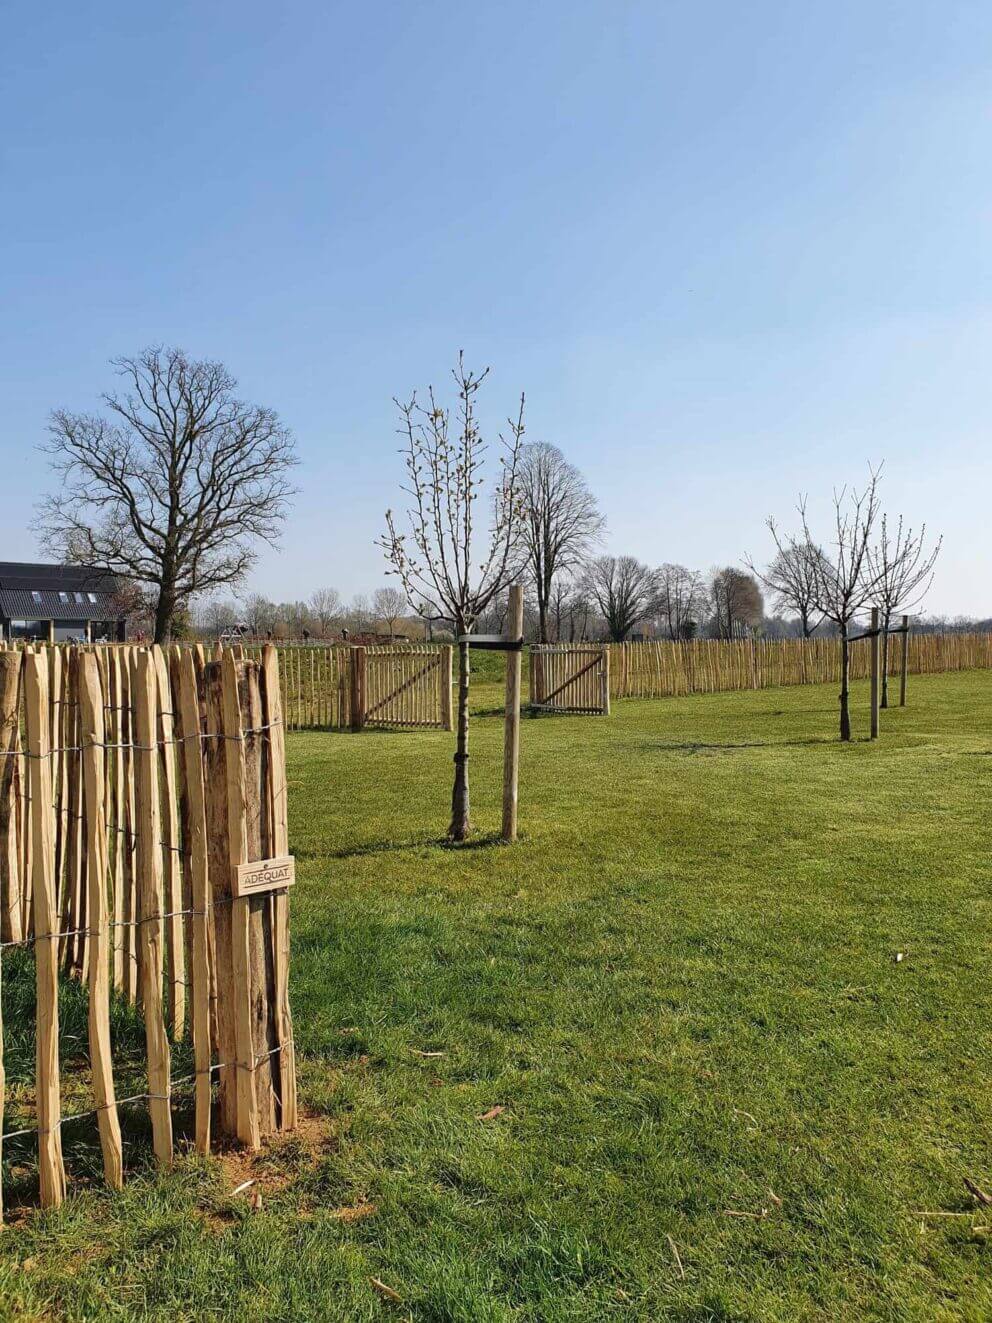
(724, 1097)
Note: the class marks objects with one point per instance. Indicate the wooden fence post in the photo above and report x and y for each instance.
(150, 910)
(904, 661)
(91, 729)
(357, 661)
(41, 814)
(511, 733)
(875, 644)
(604, 683)
(447, 716)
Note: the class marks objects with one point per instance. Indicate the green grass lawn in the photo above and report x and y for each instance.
(723, 1097)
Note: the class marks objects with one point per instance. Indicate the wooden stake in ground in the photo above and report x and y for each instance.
(875, 644)
(41, 818)
(904, 661)
(511, 734)
(91, 727)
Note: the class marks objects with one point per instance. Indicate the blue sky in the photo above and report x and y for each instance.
(730, 251)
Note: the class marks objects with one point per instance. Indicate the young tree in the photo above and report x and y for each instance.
(174, 489)
(845, 583)
(389, 604)
(737, 603)
(902, 569)
(446, 464)
(561, 521)
(681, 595)
(623, 589)
(325, 608)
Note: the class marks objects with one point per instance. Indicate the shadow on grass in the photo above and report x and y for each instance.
(696, 746)
(366, 848)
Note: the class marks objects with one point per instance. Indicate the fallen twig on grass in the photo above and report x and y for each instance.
(385, 1291)
(678, 1260)
(978, 1192)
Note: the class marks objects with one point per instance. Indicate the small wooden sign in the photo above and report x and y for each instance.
(264, 875)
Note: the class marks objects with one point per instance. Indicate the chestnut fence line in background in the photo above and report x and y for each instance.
(137, 787)
(664, 669)
(348, 687)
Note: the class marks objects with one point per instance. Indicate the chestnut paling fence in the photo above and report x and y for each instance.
(133, 782)
(348, 687)
(663, 668)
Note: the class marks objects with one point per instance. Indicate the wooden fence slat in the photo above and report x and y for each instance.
(196, 823)
(175, 951)
(91, 728)
(280, 900)
(47, 1089)
(248, 1129)
(150, 899)
(11, 899)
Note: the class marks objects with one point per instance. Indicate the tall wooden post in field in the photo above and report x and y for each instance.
(875, 643)
(511, 739)
(904, 661)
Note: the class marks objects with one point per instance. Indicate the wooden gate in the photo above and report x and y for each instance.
(392, 686)
(570, 677)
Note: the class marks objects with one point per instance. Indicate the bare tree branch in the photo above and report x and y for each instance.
(175, 488)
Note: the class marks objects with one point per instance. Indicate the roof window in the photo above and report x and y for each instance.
(35, 596)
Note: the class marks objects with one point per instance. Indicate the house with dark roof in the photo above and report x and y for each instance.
(60, 604)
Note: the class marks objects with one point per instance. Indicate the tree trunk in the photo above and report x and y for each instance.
(165, 609)
(845, 688)
(542, 620)
(461, 823)
(885, 659)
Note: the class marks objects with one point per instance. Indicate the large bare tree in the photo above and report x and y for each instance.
(736, 601)
(845, 580)
(623, 588)
(174, 487)
(325, 608)
(561, 521)
(792, 578)
(443, 561)
(389, 604)
(680, 598)
(902, 568)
